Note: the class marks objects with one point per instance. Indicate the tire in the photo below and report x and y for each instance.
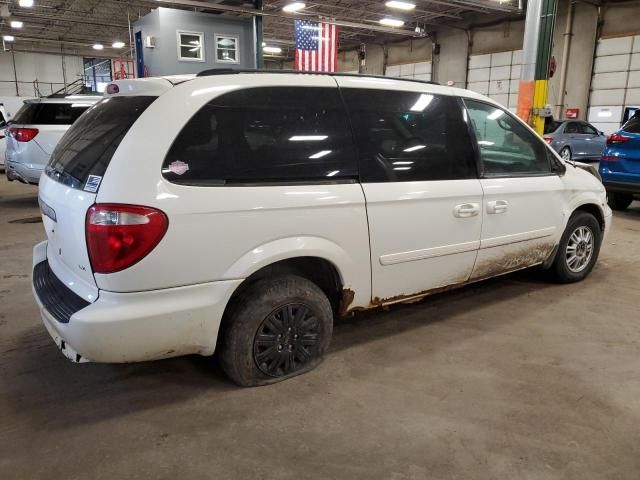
(565, 153)
(619, 201)
(294, 320)
(565, 268)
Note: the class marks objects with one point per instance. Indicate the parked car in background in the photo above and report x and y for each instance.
(273, 202)
(575, 140)
(36, 129)
(3, 134)
(620, 164)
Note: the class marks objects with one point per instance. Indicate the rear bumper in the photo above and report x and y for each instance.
(626, 187)
(22, 173)
(140, 326)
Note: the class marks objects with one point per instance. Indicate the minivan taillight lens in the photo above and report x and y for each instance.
(617, 138)
(119, 236)
(23, 134)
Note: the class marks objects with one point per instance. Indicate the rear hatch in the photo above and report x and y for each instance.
(626, 149)
(71, 182)
(51, 118)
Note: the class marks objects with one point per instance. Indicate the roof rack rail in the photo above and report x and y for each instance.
(228, 71)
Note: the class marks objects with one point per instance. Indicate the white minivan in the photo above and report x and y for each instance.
(240, 213)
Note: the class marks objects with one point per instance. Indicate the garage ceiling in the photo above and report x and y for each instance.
(75, 25)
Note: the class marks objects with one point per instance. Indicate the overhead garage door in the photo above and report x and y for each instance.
(415, 71)
(615, 84)
(496, 75)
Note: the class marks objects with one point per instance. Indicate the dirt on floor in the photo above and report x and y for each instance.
(512, 378)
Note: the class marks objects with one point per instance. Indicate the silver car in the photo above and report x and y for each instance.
(36, 130)
(575, 140)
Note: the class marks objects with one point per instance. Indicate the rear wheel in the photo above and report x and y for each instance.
(619, 201)
(565, 153)
(277, 328)
(579, 248)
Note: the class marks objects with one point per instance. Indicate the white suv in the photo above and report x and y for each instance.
(242, 212)
(36, 129)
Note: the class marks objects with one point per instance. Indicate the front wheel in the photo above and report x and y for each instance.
(277, 328)
(579, 248)
(619, 201)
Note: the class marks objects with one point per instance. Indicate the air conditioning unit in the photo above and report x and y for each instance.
(149, 41)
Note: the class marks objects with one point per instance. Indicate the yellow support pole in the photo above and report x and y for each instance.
(540, 96)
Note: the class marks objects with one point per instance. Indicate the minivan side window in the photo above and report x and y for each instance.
(409, 136)
(506, 147)
(265, 135)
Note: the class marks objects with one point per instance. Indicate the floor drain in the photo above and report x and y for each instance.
(27, 220)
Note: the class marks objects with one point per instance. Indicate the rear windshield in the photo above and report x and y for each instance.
(50, 113)
(551, 127)
(87, 147)
(633, 125)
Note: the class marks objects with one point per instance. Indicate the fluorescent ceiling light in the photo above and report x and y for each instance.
(401, 5)
(26, 3)
(495, 114)
(272, 49)
(98, 46)
(391, 22)
(117, 44)
(333, 173)
(413, 149)
(423, 102)
(8, 38)
(403, 163)
(16, 24)
(320, 154)
(402, 168)
(293, 7)
(308, 138)
(605, 113)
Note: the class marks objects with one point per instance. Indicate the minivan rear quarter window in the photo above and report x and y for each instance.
(87, 147)
(265, 135)
(49, 113)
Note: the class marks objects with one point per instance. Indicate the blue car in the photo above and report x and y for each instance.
(620, 164)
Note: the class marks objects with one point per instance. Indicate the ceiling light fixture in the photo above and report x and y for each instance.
(16, 24)
(8, 38)
(98, 46)
(117, 44)
(401, 5)
(275, 50)
(293, 7)
(26, 3)
(391, 22)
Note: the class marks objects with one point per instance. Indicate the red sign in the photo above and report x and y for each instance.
(572, 112)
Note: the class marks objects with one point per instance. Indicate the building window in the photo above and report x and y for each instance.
(191, 46)
(227, 49)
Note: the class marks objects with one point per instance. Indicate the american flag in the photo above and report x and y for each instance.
(316, 46)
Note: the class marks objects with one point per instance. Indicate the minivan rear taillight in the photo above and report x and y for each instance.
(615, 138)
(119, 236)
(23, 134)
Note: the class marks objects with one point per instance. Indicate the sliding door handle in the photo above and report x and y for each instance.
(497, 206)
(466, 210)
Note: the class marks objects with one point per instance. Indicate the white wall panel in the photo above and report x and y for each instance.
(499, 86)
(501, 73)
(425, 77)
(607, 128)
(501, 99)
(607, 97)
(514, 86)
(479, 75)
(609, 80)
(635, 61)
(515, 71)
(393, 71)
(633, 96)
(636, 43)
(479, 87)
(423, 67)
(517, 57)
(407, 70)
(479, 61)
(604, 114)
(414, 71)
(612, 63)
(501, 59)
(634, 79)
(614, 46)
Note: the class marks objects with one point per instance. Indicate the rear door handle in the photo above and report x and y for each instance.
(466, 210)
(497, 206)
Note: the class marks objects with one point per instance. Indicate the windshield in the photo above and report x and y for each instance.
(87, 147)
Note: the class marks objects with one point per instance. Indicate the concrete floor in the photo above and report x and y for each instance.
(514, 378)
